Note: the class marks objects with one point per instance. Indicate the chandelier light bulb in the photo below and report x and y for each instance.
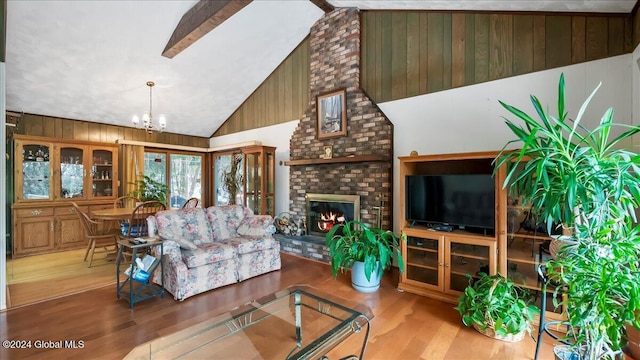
(162, 121)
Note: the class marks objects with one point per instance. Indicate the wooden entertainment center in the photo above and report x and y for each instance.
(437, 262)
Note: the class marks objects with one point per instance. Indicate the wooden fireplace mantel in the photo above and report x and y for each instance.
(337, 160)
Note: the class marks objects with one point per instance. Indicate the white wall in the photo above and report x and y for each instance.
(278, 136)
(470, 119)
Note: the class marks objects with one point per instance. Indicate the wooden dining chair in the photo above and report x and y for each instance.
(101, 237)
(138, 219)
(190, 203)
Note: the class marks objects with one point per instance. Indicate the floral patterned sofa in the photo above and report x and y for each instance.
(220, 245)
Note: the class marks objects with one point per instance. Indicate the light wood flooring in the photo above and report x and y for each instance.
(37, 278)
(405, 326)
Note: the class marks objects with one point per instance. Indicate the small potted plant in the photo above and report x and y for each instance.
(366, 251)
(497, 307)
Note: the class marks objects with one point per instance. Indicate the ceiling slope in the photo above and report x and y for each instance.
(90, 60)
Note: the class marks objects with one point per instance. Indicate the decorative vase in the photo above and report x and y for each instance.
(359, 280)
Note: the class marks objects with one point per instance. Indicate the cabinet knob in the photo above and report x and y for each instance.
(446, 265)
(439, 264)
(72, 210)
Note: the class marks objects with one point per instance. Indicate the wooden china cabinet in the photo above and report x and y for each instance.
(49, 175)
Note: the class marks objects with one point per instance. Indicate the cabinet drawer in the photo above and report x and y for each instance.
(69, 210)
(33, 212)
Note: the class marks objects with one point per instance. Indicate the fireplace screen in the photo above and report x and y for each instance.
(324, 211)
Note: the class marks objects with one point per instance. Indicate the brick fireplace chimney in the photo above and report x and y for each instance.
(334, 46)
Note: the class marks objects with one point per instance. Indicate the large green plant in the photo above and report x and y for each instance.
(496, 302)
(148, 189)
(355, 241)
(571, 173)
(584, 179)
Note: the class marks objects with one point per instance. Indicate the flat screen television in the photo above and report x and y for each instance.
(461, 200)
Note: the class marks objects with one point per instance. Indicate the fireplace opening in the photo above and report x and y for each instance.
(324, 211)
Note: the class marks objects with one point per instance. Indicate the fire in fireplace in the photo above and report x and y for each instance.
(324, 211)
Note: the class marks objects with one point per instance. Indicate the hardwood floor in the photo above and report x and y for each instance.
(405, 326)
(43, 277)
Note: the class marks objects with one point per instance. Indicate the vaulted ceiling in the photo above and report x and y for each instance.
(90, 60)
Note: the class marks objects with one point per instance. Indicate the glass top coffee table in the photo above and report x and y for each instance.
(299, 322)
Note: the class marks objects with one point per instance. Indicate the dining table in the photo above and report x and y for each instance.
(112, 214)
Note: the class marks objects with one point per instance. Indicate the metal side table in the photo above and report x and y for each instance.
(138, 289)
(546, 326)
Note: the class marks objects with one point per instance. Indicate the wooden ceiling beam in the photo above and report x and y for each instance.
(323, 5)
(203, 17)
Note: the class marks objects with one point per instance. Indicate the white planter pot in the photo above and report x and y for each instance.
(359, 280)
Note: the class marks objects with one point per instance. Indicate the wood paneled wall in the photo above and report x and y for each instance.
(282, 97)
(409, 53)
(39, 125)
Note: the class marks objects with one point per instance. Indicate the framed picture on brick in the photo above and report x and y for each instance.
(332, 114)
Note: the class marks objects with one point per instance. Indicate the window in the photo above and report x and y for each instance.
(184, 173)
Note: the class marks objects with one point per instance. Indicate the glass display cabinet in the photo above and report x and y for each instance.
(259, 179)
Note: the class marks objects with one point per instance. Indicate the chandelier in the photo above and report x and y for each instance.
(147, 118)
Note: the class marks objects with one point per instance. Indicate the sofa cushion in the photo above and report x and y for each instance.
(225, 220)
(207, 254)
(190, 224)
(254, 225)
(245, 245)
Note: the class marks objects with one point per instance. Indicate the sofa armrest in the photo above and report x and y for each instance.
(256, 225)
(176, 273)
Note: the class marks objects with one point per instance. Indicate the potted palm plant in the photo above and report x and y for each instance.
(585, 179)
(366, 251)
(497, 307)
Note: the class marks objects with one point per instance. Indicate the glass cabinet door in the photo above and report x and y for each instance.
(34, 171)
(102, 173)
(72, 172)
(223, 174)
(269, 177)
(252, 182)
(423, 263)
(465, 256)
